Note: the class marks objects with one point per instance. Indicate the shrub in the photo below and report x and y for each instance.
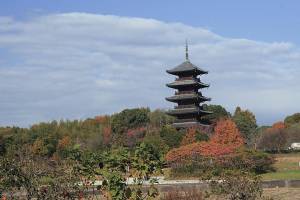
(226, 140)
(183, 194)
(130, 119)
(193, 135)
(273, 140)
(171, 136)
(237, 186)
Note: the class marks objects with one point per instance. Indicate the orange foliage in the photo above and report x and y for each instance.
(226, 140)
(226, 133)
(136, 131)
(278, 125)
(189, 137)
(106, 135)
(64, 142)
(102, 119)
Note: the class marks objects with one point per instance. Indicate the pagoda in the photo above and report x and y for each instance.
(188, 111)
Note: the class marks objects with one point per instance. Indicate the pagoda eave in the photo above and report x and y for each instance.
(183, 72)
(185, 111)
(184, 97)
(181, 84)
(188, 124)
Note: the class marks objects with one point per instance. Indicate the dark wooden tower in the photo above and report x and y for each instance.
(188, 111)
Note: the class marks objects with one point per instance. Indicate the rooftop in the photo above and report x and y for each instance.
(185, 67)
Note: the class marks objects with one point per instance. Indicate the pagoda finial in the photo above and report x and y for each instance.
(186, 50)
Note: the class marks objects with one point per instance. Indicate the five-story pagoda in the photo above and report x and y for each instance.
(188, 111)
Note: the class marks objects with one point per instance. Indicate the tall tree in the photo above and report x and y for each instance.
(129, 119)
(292, 119)
(246, 123)
(219, 112)
(273, 139)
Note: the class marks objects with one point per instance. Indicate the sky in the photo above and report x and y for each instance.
(73, 59)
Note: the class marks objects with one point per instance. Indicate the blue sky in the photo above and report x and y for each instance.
(266, 20)
(77, 59)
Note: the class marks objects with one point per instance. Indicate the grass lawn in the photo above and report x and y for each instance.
(287, 167)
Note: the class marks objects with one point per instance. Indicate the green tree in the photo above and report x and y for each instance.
(129, 119)
(159, 118)
(292, 119)
(171, 136)
(218, 112)
(246, 123)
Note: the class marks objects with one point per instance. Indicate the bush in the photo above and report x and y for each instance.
(171, 136)
(273, 140)
(183, 194)
(203, 166)
(237, 186)
(130, 119)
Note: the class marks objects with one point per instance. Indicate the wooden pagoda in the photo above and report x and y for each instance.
(188, 111)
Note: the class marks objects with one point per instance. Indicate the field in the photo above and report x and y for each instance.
(283, 193)
(287, 168)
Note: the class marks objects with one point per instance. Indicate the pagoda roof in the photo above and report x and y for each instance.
(193, 96)
(186, 67)
(182, 83)
(188, 124)
(190, 110)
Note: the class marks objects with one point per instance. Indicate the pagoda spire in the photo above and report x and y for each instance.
(186, 50)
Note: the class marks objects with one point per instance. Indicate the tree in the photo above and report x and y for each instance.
(293, 134)
(171, 136)
(2, 145)
(292, 119)
(273, 139)
(130, 119)
(218, 112)
(159, 118)
(193, 135)
(246, 123)
(278, 125)
(226, 140)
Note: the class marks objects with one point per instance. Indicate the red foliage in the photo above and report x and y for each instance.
(226, 140)
(278, 125)
(135, 132)
(106, 135)
(102, 119)
(134, 135)
(189, 137)
(226, 133)
(64, 142)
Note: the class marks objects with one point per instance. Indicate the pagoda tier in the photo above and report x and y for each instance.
(188, 124)
(184, 83)
(187, 68)
(193, 97)
(191, 110)
(188, 111)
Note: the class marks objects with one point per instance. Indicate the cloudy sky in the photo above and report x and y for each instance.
(76, 60)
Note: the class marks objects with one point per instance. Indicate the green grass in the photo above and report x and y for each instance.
(286, 166)
(285, 175)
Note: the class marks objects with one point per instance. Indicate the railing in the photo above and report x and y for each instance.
(185, 106)
(187, 78)
(185, 92)
(185, 120)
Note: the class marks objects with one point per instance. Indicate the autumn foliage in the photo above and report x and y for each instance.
(226, 140)
(189, 137)
(278, 125)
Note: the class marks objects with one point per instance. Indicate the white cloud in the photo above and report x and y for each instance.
(76, 65)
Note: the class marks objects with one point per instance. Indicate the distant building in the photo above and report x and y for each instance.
(295, 146)
(188, 111)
